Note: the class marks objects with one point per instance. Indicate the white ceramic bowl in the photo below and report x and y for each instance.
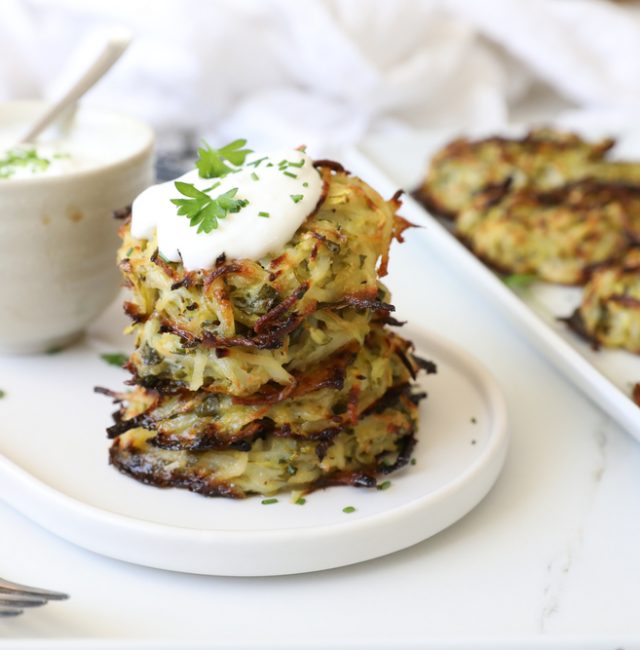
(57, 233)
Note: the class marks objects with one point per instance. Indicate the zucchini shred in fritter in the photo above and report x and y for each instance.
(258, 376)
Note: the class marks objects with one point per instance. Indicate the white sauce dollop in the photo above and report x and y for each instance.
(287, 198)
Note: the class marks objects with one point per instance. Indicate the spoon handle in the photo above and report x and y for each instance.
(110, 53)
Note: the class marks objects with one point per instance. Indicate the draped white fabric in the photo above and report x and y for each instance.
(327, 72)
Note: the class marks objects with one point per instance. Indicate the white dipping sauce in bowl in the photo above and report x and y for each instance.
(58, 237)
(29, 161)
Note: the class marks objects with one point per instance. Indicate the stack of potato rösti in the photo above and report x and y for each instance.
(257, 376)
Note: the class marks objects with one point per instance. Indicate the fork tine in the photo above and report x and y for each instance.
(21, 600)
(9, 611)
(7, 587)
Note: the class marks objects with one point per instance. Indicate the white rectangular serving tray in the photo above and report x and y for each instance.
(605, 376)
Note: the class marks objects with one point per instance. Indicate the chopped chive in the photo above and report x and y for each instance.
(385, 485)
(413, 461)
(349, 509)
(255, 176)
(54, 350)
(296, 198)
(299, 164)
(268, 502)
(300, 501)
(290, 174)
(256, 163)
(270, 165)
(129, 252)
(305, 184)
(2, 393)
(213, 187)
(266, 215)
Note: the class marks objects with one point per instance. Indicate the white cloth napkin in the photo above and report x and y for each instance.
(327, 72)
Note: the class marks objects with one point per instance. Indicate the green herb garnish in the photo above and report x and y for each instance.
(255, 176)
(298, 164)
(266, 215)
(300, 501)
(115, 358)
(15, 159)
(204, 211)
(268, 502)
(256, 163)
(349, 509)
(2, 393)
(519, 280)
(296, 198)
(413, 461)
(305, 184)
(385, 485)
(290, 174)
(211, 162)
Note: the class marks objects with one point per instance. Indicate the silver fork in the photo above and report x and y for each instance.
(14, 598)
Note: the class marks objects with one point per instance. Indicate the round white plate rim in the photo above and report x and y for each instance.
(493, 453)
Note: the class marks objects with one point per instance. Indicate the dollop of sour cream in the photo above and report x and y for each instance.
(281, 189)
(26, 161)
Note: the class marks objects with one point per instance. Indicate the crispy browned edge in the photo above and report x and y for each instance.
(140, 470)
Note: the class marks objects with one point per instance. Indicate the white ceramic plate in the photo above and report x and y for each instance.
(606, 376)
(54, 469)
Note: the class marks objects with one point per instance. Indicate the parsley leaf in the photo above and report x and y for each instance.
(211, 162)
(204, 211)
(519, 280)
(115, 358)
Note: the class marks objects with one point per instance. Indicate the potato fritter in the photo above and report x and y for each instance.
(609, 313)
(559, 235)
(329, 398)
(381, 441)
(262, 375)
(543, 160)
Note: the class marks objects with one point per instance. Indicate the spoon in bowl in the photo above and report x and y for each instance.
(111, 51)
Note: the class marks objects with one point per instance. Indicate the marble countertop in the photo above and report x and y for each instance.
(549, 559)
